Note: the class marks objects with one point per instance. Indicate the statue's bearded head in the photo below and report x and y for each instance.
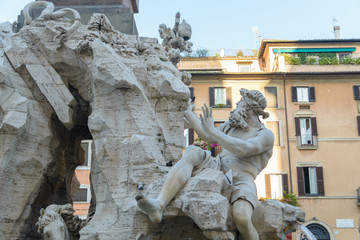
(252, 102)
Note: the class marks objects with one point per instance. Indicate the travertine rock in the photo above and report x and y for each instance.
(273, 218)
(62, 82)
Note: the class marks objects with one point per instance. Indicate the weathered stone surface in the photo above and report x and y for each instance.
(60, 85)
(272, 218)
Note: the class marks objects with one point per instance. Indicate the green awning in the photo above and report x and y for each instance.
(313, 50)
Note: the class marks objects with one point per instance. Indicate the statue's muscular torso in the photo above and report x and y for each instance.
(252, 164)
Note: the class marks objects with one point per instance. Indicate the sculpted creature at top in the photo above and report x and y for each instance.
(48, 13)
(176, 40)
(247, 147)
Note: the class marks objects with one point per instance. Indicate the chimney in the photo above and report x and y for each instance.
(337, 32)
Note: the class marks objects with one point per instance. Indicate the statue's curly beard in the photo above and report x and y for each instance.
(238, 119)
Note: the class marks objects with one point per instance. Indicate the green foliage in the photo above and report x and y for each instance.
(302, 57)
(240, 53)
(319, 58)
(295, 61)
(328, 55)
(290, 198)
(334, 61)
(324, 61)
(311, 60)
(347, 60)
(220, 105)
(201, 52)
(287, 57)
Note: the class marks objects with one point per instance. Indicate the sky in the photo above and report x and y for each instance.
(229, 23)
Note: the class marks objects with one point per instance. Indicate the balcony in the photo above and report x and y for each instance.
(331, 63)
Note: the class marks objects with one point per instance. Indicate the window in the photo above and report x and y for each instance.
(342, 55)
(310, 181)
(356, 89)
(244, 68)
(82, 195)
(275, 185)
(192, 95)
(271, 97)
(306, 132)
(86, 154)
(274, 126)
(189, 136)
(220, 97)
(358, 124)
(303, 94)
(318, 231)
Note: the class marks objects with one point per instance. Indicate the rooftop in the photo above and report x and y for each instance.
(275, 41)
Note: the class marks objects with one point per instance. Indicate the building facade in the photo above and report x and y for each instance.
(312, 88)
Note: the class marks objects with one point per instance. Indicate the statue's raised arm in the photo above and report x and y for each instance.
(195, 123)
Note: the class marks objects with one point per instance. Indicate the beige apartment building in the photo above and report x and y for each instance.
(312, 88)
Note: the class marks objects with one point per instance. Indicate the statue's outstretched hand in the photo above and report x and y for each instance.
(191, 108)
(207, 120)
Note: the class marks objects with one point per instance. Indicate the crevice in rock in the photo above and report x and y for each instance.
(56, 187)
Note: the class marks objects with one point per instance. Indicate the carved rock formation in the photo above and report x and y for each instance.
(62, 82)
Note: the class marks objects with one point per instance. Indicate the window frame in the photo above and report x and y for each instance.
(88, 193)
(87, 151)
(301, 181)
(284, 184)
(277, 96)
(223, 94)
(244, 65)
(311, 94)
(281, 140)
(227, 97)
(314, 133)
(188, 137)
(356, 92)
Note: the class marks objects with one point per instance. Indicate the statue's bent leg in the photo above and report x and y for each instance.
(242, 212)
(174, 181)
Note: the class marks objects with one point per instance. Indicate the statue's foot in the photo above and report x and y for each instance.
(150, 206)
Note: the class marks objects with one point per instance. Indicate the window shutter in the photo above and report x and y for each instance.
(312, 94)
(356, 92)
(228, 97)
(191, 92)
(191, 136)
(358, 123)
(300, 178)
(314, 126)
(267, 186)
(293, 94)
(297, 127)
(285, 183)
(211, 97)
(320, 181)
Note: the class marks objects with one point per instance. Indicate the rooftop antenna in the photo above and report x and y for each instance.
(336, 29)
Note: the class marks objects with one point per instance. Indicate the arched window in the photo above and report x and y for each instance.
(318, 231)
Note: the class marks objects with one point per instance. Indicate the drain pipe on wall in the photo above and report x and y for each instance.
(287, 135)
